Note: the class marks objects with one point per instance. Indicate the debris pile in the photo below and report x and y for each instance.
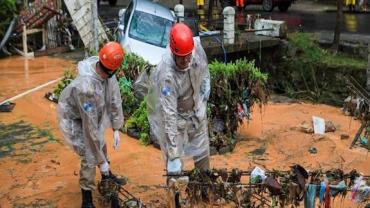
(275, 188)
(358, 105)
(117, 196)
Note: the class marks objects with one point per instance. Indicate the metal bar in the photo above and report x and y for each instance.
(124, 192)
(257, 30)
(261, 198)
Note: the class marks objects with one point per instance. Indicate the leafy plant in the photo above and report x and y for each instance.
(68, 76)
(139, 122)
(234, 86)
(129, 101)
(132, 66)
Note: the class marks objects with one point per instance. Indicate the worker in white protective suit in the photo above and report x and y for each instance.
(177, 101)
(89, 105)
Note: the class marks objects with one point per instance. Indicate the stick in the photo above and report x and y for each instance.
(359, 131)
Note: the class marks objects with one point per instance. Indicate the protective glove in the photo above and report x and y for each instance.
(116, 139)
(104, 168)
(174, 166)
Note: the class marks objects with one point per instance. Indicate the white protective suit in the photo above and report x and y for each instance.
(86, 108)
(177, 106)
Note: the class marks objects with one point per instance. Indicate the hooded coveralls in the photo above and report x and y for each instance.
(86, 108)
(177, 105)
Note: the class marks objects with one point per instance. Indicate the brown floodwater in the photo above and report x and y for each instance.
(18, 74)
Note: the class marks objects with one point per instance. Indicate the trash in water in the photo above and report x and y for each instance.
(318, 125)
(7, 107)
(312, 150)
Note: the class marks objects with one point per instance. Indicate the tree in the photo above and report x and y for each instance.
(338, 24)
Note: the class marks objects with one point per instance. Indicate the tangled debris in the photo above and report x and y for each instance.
(117, 196)
(273, 188)
(358, 105)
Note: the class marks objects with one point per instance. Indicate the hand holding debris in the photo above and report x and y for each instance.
(104, 168)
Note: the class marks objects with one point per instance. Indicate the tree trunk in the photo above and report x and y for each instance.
(338, 25)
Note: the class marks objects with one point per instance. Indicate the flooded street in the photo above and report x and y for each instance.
(18, 74)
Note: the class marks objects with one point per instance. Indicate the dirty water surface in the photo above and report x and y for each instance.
(18, 74)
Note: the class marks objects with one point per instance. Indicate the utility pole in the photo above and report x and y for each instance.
(94, 21)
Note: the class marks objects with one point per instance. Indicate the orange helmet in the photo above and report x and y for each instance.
(111, 56)
(181, 40)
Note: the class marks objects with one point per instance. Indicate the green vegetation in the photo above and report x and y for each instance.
(312, 73)
(234, 85)
(139, 122)
(129, 101)
(8, 8)
(310, 52)
(68, 76)
(132, 66)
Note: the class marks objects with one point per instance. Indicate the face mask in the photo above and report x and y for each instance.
(107, 71)
(189, 59)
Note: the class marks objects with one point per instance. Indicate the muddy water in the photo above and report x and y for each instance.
(50, 176)
(18, 74)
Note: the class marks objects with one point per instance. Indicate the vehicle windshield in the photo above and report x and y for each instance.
(150, 29)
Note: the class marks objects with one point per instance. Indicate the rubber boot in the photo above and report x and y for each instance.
(87, 201)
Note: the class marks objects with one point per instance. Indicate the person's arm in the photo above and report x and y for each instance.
(89, 116)
(168, 101)
(205, 87)
(116, 114)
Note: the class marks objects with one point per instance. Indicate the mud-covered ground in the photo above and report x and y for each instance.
(38, 170)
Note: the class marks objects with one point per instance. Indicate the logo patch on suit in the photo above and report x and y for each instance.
(87, 107)
(166, 91)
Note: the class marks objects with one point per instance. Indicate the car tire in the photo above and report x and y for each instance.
(268, 5)
(112, 2)
(283, 7)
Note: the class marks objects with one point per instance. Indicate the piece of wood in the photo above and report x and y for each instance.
(32, 31)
